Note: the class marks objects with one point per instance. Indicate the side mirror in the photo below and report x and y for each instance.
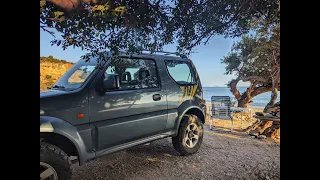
(111, 82)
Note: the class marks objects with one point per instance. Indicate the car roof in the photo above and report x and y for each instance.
(157, 56)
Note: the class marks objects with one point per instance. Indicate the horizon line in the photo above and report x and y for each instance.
(222, 86)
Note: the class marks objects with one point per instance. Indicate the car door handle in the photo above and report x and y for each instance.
(156, 97)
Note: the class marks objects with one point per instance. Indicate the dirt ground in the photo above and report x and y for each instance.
(223, 155)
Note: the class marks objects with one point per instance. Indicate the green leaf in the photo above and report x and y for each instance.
(58, 13)
(99, 8)
(143, 24)
(62, 18)
(42, 3)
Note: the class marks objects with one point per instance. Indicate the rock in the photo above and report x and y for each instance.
(111, 166)
(262, 137)
(254, 133)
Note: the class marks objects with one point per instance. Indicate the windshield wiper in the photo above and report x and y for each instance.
(57, 86)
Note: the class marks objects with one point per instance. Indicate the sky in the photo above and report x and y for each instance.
(207, 58)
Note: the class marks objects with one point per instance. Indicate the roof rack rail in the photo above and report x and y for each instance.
(167, 53)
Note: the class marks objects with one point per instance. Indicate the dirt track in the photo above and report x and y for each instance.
(223, 155)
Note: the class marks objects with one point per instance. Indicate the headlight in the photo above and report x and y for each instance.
(41, 112)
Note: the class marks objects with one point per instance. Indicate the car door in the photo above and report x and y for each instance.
(138, 109)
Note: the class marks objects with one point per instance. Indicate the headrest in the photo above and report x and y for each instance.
(144, 73)
(126, 76)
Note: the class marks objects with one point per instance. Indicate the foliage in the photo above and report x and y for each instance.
(52, 59)
(133, 25)
(252, 57)
(256, 59)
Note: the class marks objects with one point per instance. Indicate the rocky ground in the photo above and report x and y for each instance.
(223, 155)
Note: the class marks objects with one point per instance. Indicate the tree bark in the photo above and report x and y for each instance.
(275, 81)
(260, 90)
(243, 103)
(263, 126)
(68, 5)
(234, 90)
(274, 95)
(243, 100)
(268, 128)
(246, 98)
(273, 131)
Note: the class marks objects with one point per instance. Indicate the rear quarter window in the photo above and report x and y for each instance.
(180, 72)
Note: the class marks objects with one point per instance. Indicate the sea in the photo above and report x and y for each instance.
(258, 101)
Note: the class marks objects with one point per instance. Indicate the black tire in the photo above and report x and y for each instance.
(57, 159)
(178, 141)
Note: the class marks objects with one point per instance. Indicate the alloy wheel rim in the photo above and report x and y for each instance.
(47, 172)
(191, 137)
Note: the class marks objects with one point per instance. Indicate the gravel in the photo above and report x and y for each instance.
(223, 155)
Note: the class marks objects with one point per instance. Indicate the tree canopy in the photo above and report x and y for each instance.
(256, 59)
(133, 25)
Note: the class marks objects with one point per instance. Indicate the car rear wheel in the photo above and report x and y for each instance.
(190, 135)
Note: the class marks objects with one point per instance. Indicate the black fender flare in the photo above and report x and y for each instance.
(61, 127)
(182, 111)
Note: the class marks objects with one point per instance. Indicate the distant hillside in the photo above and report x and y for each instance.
(51, 69)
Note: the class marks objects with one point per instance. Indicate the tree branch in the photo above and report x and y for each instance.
(46, 30)
(69, 5)
(66, 5)
(274, 94)
(208, 38)
(233, 88)
(216, 27)
(254, 85)
(256, 78)
(260, 90)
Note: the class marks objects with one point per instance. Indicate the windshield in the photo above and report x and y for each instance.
(75, 77)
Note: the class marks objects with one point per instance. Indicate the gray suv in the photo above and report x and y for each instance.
(95, 109)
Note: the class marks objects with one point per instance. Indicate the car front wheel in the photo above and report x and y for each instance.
(54, 163)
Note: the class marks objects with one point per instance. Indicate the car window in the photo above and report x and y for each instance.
(75, 77)
(180, 72)
(80, 75)
(135, 73)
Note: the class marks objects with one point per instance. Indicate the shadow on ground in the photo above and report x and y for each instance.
(223, 155)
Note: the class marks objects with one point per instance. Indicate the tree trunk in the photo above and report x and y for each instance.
(272, 131)
(274, 96)
(275, 85)
(259, 126)
(263, 126)
(268, 128)
(245, 98)
(243, 102)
